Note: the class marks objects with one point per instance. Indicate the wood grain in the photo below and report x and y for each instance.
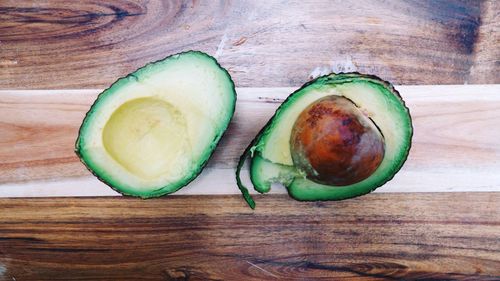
(438, 236)
(383, 236)
(455, 147)
(88, 44)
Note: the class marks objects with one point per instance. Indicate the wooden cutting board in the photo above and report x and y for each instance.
(438, 219)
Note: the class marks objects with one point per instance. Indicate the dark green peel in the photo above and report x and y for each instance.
(246, 195)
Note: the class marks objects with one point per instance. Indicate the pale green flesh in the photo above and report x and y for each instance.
(273, 161)
(263, 173)
(152, 132)
(147, 137)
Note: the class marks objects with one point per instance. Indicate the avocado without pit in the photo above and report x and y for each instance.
(337, 137)
(153, 131)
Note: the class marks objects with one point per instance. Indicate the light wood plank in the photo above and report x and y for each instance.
(456, 144)
(436, 236)
(88, 44)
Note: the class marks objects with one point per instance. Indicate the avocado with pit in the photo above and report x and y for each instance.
(337, 137)
(153, 131)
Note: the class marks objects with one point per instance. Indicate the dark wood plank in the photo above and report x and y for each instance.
(487, 47)
(437, 236)
(50, 44)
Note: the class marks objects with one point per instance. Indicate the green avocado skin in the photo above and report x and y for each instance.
(298, 186)
(133, 77)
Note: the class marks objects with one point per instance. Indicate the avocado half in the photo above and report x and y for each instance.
(153, 131)
(337, 137)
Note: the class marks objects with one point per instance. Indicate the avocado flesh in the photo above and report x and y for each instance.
(153, 131)
(263, 173)
(377, 98)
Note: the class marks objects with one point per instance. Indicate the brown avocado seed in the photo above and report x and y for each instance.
(334, 143)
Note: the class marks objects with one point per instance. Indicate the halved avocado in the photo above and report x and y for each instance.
(153, 131)
(337, 137)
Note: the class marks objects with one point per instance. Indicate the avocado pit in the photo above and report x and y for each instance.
(334, 143)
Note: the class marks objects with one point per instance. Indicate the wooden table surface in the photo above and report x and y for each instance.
(439, 219)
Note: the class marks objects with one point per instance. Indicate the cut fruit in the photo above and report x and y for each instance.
(337, 137)
(152, 132)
